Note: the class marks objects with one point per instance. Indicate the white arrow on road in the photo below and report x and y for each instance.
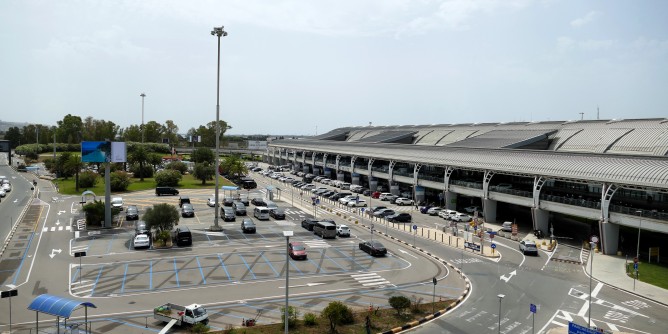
(58, 222)
(16, 200)
(297, 286)
(61, 212)
(54, 251)
(407, 253)
(512, 273)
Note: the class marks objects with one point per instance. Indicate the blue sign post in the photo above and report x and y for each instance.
(532, 308)
(414, 233)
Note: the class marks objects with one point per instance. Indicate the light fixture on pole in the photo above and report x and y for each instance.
(142, 116)
(286, 313)
(500, 298)
(217, 31)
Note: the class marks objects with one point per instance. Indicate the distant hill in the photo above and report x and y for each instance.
(4, 126)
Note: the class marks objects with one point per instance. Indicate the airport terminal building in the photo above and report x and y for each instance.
(610, 174)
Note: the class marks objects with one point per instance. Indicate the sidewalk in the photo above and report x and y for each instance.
(609, 269)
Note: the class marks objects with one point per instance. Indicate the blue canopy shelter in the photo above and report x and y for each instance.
(56, 306)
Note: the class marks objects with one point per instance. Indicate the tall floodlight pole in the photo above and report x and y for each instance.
(142, 116)
(286, 313)
(217, 31)
(500, 299)
(639, 227)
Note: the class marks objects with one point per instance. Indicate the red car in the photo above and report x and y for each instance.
(375, 194)
(297, 250)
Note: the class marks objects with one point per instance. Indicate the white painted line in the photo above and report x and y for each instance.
(60, 228)
(379, 283)
(597, 289)
(379, 279)
(583, 310)
(53, 228)
(363, 275)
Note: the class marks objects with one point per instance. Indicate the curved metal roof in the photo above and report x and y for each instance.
(57, 306)
(645, 171)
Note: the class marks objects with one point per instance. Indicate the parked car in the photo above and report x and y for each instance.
(308, 223)
(433, 211)
(374, 248)
(391, 198)
(239, 208)
(183, 200)
(277, 213)
(384, 196)
(375, 194)
(247, 225)
(227, 214)
(424, 209)
(187, 210)
(257, 201)
(308, 186)
(447, 214)
(507, 227)
(243, 199)
(342, 231)
(141, 241)
(228, 201)
(401, 217)
(132, 213)
(211, 202)
(344, 200)
(472, 209)
(297, 250)
(461, 217)
(182, 236)
(373, 209)
(403, 201)
(528, 246)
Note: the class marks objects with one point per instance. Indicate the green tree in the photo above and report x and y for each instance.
(202, 154)
(153, 132)
(177, 166)
(88, 179)
(203, 171)
(94, 212)
(13, 134)
(233, 166)
(400, 303)
(170, 131)
(293, 315)
(69, 129)
(154, 159)
(338, 314)
(74, 164)
(139, 156)
(161, 217)
(132, 133)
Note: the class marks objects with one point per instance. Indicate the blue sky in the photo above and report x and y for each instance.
(289, 67)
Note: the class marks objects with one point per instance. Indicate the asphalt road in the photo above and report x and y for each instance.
(234, 275)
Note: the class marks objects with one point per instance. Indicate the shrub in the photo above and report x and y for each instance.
(338, 314)
(415, 305)
(177, 165)
(95, 213)
(200, 328)
(88, 179)
(400, 303)
(309, 319)
(167, 178)
(293, 314)
(119, 181)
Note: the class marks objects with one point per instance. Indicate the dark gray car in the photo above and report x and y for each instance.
(239, 208)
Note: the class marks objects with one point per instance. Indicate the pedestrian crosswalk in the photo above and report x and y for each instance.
(370, 279)
(316, 243)
(56, 228)
(284, 223)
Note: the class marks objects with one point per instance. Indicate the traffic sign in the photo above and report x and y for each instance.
(415, 227)
(532, 308)
(575, 328)
(317, 201)
(493, 246)
(635, 266)
(433, 280)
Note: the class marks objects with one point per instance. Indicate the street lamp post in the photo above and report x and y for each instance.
(639, 227)
(217, 31)
(592, 246)
(142, 116)
(287, 235)
(500, 298)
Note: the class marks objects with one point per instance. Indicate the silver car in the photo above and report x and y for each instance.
(528, 246)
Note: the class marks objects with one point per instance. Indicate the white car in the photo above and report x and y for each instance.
(141, 240)
(403, 201)
(2, 193)
(356, 203)
(318, 188)
(7, 187)
(325, 181)
(342, 231)
(345, 200)
(461, 217)
(384, 196)
(434, 211)
(308, 186)
(211, 201)
(447, 214)
(117, 202)
(472, 209)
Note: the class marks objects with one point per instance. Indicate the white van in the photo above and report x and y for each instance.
(261, 213)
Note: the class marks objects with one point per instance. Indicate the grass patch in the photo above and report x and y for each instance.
(650, 273)
(381, 320)
(66, 186)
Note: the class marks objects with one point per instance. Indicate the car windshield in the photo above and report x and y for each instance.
(279, 211)
(376, 244)
(298, 247)
(200, 311)
(187, 207)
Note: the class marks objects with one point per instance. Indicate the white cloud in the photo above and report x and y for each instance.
(591, 16)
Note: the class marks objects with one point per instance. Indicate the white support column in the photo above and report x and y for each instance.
(609, 233)
(485, 183)
(352, 164)
(392, 163)
(338, 160)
